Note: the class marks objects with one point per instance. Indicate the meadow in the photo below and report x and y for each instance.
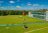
(15, 24)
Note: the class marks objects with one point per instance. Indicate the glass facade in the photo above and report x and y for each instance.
(39, 14)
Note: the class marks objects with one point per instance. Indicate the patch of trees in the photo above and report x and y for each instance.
(12, 12)
(20, 12)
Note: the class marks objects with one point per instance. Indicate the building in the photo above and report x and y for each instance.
(46, 15)
(30, 14)
(43, 14)
(39, 14)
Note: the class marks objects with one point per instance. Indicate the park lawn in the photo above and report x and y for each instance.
(41, 31)
(19, 28)
(14, 19)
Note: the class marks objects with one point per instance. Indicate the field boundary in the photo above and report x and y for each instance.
(35, 30)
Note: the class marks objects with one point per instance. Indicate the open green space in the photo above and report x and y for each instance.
(17, 26)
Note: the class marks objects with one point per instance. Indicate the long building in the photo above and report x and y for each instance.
(40, 15)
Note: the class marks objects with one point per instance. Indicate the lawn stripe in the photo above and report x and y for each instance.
(36, 30)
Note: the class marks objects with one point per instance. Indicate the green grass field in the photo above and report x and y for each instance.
(14, 24)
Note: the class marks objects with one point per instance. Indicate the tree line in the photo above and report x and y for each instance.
(20, 12)
(12, 12)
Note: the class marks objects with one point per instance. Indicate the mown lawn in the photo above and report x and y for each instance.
(20, 28)
(14, 19)
(18, 20)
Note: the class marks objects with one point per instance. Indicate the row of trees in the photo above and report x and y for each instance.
(12, 12)
(20, 12)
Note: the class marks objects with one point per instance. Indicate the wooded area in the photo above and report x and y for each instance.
(20, 12)
(12, 12)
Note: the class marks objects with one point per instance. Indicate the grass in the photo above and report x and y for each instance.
(32, 24)
(20, 28)
(14, 19)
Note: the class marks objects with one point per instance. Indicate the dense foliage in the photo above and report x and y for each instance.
(20, 12)
(12, 12)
